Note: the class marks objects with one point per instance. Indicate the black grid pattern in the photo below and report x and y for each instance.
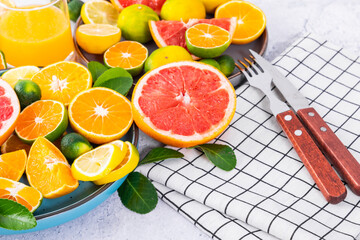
(270, 193)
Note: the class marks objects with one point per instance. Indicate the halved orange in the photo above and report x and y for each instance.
(48, 171)
(19, 192)
(12, 165)
(129, 55)
(61, 81)
(100, 114)
(43, 118)
(14, 143)
(251, 20)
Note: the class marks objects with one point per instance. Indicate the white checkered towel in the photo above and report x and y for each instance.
(270, 194)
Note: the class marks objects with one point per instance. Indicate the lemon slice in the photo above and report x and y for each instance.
(19, 73)
(127, 165)
(97, 163)
(99, 11)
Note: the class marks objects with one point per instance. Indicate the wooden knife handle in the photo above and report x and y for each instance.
(319, 168)
(346, 165)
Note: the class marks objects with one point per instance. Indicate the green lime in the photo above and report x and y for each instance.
(73, 145)
(27, 92)
(183, 10)
(227, 64)
(211, 62)
(133, 22)
(75, 9)
(166, 55)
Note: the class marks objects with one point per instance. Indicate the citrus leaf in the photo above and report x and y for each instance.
(138, 194)
(15, 216)
(96, 69)
(222, 156)
(117, 79)
(158, 154)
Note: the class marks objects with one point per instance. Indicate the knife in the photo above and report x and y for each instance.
(344, 162)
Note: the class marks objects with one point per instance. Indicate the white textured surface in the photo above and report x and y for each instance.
(336, 21)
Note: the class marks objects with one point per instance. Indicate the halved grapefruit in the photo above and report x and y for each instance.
(9, 110)
(183, 104)
(154, 4)
(167, 33)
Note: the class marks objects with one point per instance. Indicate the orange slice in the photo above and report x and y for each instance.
(62, 81)
(12, 165)
(19, 192)
(43, 118)
(48, 171)
(129, 55)
(251, 20)
(100, 114)
(13, 143)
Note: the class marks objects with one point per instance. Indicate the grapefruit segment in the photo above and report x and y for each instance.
(9, 110)
(183, 104)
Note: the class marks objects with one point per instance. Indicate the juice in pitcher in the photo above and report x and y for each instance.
(36, 35)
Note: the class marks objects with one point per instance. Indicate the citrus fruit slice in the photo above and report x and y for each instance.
(127, 165)
(48, 171)
(183, 10)
(61, 81)
(183, 104)
(13, 143)
(19, 73)
(20, 193)
(9, 110)
(167, 33)
(73, 145)
(133, 22)
(154, 4)
(12, 165)
(251, 20)
(97, 163)
(3, 64)
(207, 41)
(166, 55)
(129, 55)
(99, 11)
(44, 118)
(97, 38)
(27, 92)
(100, 114)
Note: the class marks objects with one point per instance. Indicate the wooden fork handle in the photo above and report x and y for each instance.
(344, 162)
(317, 165)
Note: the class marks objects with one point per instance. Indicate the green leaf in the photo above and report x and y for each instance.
(158, 154)
(96, 69)
(117, 79)
(15, 216)
(138, 194)
(222, 156)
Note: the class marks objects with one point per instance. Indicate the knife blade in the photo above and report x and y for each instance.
(344, 162)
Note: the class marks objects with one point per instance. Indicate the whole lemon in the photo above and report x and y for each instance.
(133, 22)
(211, 5)
(166, 55)
(183, 10)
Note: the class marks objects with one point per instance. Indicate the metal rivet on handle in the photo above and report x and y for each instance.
(288, 117)
(298, 132)
(311, 114)
(323, 129)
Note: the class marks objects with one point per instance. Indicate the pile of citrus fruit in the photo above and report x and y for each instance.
(62, 124)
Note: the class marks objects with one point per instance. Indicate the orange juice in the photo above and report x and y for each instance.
(35, 37)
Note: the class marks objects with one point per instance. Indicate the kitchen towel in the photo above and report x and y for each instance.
(270, 194)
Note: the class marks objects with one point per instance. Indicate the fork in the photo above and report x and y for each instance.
(315, 162)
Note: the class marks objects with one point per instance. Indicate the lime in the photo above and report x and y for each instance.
(74, 9)
(27, 92)
(207, 41)
(73, 145)
(183, 10)
(227, 64)
(133, 22)
(211, 62)
(166, 55)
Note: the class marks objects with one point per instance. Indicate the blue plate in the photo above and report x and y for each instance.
(87, 196)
